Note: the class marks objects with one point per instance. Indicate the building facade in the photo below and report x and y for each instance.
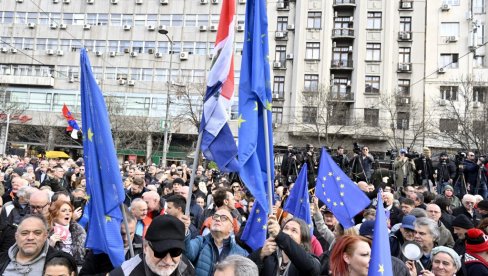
(389, 74)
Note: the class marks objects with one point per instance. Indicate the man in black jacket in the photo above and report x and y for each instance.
(446, 172)
(468, 209)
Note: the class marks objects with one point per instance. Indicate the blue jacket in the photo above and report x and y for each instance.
(203, 253)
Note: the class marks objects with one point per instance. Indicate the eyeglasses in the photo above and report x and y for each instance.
(34, 207)
(471, 155)
(173, 252)
(222, 218)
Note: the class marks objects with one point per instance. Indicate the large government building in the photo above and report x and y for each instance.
(388, 74)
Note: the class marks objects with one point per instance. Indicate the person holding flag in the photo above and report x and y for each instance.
(380, 252)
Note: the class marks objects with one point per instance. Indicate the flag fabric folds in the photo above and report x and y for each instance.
(380, 263)
(103, 180)
(254, 98)
(72, 124)
(338, 192)
(217, 140)
(298, 202)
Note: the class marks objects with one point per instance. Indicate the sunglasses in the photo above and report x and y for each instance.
(173, 252)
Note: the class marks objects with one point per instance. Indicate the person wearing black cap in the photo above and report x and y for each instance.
(446, 172)
(60, 263)
(162, 251)
(461, 225)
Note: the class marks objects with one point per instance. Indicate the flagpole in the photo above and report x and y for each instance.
(193, 173)
(268, 160)
(127, 231)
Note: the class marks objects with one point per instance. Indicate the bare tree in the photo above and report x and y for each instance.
(404, 125)
(189, 98)
(463, 113)
(326, 113)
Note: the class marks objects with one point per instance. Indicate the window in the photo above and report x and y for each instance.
(340, 56)
(280, 53)
(449, 61)
(374, 21)
(451, 2)
(277, 114)
(448, 125)
(449, 93)
(479, 93)
(190, 20)
(404, 87)
(404, 55)
(479, 128)
(449, 29)
(314, 20)
(371, 117)
(478, 6)
(372, 84)
(309, 114)
(480, 33)
(403, 120)
(341, 88)
(311, 83)
(340, 115)
(343, 22)
(282, 23)
(279, 87)
(405, 24)
(373, 52)
(312, 51)
(478, 61)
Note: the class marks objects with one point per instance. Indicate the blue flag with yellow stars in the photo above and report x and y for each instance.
(254, 100)
(103, 180)
(343, 198)
(380, 263)
(298, 202)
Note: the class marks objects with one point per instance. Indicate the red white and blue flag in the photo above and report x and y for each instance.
(72, 125)
(218, 143)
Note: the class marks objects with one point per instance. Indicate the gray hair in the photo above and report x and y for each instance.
(242, 265)
(418, 213)
(431, 224)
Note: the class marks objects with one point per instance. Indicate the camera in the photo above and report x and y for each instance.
(460, 156)
(356, 148)
(412, 155)
(393, 153)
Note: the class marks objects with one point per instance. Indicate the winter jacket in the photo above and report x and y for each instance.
(5, 258)
(301, 261)
(78, 238)
(203, 252)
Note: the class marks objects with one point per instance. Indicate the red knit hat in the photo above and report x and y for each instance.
(476, 241)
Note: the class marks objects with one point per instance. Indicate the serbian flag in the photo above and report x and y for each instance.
(218, 143)
(72, 125)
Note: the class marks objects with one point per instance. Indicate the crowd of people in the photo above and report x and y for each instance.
(43, 223)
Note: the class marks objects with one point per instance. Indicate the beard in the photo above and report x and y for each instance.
(161, 271)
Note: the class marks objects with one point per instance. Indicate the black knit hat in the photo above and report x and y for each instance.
(166, 232)
(483, 205)
(462, 221)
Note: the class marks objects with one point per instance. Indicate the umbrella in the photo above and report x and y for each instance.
(56, 154)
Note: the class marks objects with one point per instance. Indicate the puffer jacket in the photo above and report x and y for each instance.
(203, 253)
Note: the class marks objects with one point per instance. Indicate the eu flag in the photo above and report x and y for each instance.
(298, 203)
(380, 263)
(254, 98)
(103, 180)
(338, 192)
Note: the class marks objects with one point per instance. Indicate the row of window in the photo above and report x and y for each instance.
(112, 19)
(451, 93)
(108, 73)
(119, 46)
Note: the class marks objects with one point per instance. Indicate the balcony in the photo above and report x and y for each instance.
(343, 33)
(345, 96)
(404, 68)
(403, 101)
(404, 36)
(405, 5)
(344, 4)
(279, 64)
(341, 65)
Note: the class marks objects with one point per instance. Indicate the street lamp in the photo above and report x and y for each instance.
(166, 125)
